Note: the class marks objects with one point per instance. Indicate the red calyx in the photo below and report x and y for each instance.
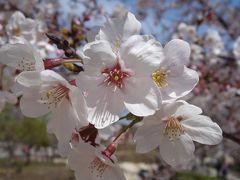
(110, 150)
(89, 134)
(52, 63)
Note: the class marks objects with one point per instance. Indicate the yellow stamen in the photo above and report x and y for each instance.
(160, 77)
(17, 31)
(173, 128)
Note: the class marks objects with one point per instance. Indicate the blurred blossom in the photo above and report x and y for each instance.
(187, 32)
(119, 11)
(236, 48)
(196, 52)
(19, 26)
(214, 43)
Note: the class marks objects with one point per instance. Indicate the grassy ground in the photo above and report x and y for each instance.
(36, 171)
(50, 171)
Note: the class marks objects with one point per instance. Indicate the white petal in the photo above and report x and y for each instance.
(143, 54)
(168, 109)
(39, 65)
(83, 150)
(148, 137)
(177, 53)
(105, 105)
(99, 55)
(120, 29)
(181, 84)
(63, 123)
(49, 76)
(78, 104)
(30, 105)
(203, 130)
(142, 96)
(114, 173)
(177, 152)
(63, 148)
(12, 54)
(188, 110)
(29, 78)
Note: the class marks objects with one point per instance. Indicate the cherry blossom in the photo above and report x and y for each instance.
(20, 26)
(116, 30)
(173, 129)
(47, 91)
(173, 78)
(214, 43)
(22, 57)
(236, 48)
(92, 163)
(114, 82)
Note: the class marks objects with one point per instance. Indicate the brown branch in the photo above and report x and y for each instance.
(220, 19)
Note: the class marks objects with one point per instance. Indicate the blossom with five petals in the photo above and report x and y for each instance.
(19, 27)
(47, 91)
(22, 57)
(173, 129)
(91, 163)
(116, 30)
(173, 78)
(114, 82)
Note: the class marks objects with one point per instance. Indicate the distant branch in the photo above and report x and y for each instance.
(232, 137)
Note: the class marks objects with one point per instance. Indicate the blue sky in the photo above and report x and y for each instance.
(148, 25)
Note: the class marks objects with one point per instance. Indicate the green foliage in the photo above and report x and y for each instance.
(187, 175)
(29, 131)
(32, 132)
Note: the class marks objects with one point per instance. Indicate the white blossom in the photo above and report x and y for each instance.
(214, 43)
(236, 48)
(173, 129)
(114, 82)
(187, 32)
(116, 30)
(20, 26)
(91, 163)
(47, 91)
(22, 57)
(172, 76)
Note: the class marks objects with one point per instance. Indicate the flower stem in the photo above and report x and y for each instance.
(124, 130)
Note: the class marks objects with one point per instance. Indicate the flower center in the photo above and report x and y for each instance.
(160, 77)
(25, 64)
(114, 77)
(98, 167)
(17, 31)
(54, 96)
(173, 128)
(118, 43)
